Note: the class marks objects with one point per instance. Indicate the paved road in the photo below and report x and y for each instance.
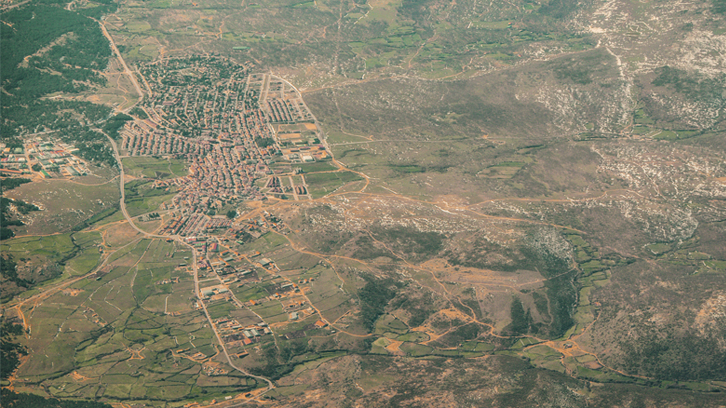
(324, 138)
(180, 240)
(12, 6)
(123, 63)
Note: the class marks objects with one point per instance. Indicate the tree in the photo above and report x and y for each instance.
(521, 320)
(231, 214)
(10, 352)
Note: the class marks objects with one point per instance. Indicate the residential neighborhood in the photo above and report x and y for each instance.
(228, 124)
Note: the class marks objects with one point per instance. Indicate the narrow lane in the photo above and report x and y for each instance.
(127, 71)
(195, 269)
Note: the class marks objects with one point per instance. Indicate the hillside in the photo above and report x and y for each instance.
(364, 203)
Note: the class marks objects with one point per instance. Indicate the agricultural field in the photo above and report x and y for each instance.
(373, 203)
(120, 321)
(151, 168)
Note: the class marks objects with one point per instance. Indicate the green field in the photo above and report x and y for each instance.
(150, 167)
(320, 184)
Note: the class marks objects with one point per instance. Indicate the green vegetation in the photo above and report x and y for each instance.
(46, 258)
(695, 86)
(374, 297)
(659, 248)
(677, 357)
(74, 51)
(321, 184)
(10, 351)
(138, 112)
(21, 400)
(418, 245)
(521, 320)
(264, 142)
(11, 183)
(6, 220)
(316, 166)
(155, 168)
(96, 218)
(218, 310)
(468, 169)
(142, 197)
(115, 123)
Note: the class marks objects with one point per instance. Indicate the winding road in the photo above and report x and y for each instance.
(180, 240)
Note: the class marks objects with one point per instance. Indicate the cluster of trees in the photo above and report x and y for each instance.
(263, 142)
(278, 361)
(560, 289)
(521, 320)
(719, 6)
(115, 123)
(9, 272)
(419, 308)
(139, 113)
(12, 399)
(102, 8)
(374, 297)
(10, 352)
(83, 50)
(92, 145)
(5, 218)
(30, 114)
(75, 50)
(10, 183)
(677, 356)
(418, 244)
(695, 86)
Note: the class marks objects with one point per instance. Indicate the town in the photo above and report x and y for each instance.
(229, 125)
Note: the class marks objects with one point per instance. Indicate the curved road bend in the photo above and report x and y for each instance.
(180, 240)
